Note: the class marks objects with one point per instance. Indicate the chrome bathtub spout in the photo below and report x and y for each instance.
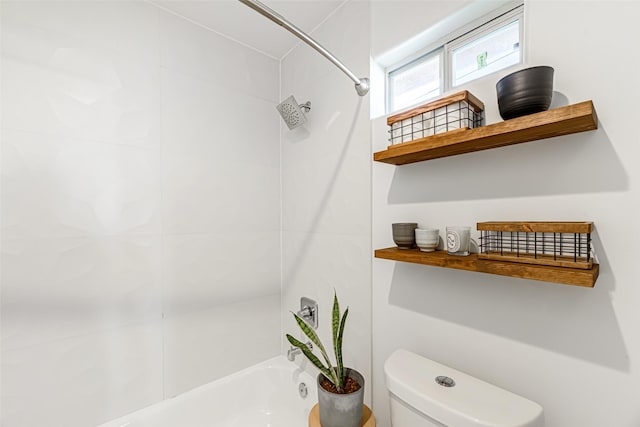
(294, 351)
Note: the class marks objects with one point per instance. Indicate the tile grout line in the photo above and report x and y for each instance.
(171, 12)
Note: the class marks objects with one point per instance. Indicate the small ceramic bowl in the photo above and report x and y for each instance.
(427, 239)
(403, 234)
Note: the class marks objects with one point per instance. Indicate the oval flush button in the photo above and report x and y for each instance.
(445, 381)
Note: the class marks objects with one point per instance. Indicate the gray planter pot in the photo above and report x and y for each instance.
(341, 410)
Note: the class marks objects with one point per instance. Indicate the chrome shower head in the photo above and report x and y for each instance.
(293, 113)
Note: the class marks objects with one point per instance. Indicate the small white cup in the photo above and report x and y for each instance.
(427, 239)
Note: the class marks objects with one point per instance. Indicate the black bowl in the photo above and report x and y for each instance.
(525, 92)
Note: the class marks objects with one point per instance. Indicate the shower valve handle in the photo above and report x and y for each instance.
(309, 311)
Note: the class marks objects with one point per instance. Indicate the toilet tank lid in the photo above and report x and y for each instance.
(470, 403)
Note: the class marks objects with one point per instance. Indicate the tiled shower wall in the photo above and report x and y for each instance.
(326, 186)
(140, 211)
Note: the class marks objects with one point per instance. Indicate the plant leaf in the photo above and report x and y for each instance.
(312, 357)
(339, 346)
(335, 320)
(335, 326)
(309, 332)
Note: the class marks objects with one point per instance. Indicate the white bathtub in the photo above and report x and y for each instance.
(264, 395)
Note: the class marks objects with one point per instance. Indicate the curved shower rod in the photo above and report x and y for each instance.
(362, 84)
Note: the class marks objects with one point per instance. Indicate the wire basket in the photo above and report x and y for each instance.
(561, 244)
(458, 111)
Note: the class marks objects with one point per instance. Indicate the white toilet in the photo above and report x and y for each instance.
(424, 393)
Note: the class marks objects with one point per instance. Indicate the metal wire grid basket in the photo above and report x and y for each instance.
(459, 111)
(562, 244)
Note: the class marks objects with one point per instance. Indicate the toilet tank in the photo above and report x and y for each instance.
(454, 400)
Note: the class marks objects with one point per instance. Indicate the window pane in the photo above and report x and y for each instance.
(415, 83)
(491, 52)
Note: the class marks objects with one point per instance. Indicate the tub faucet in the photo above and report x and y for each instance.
(294, 351)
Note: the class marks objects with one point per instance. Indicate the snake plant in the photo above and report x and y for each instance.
(333, 374)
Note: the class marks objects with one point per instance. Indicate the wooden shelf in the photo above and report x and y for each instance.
(547, 124)
(566, 276)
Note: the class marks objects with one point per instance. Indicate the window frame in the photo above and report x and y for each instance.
(446, 45)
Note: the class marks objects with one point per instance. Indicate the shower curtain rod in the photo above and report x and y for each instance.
(362, 84)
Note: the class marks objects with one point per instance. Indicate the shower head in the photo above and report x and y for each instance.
(293, 113)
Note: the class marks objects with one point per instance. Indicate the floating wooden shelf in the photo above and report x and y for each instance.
(545, 273)
(547, 124)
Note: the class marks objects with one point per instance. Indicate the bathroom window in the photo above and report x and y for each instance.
(417, 81)
(485, 51)
(466, 55)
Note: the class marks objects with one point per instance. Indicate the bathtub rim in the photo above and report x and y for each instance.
(277, 362)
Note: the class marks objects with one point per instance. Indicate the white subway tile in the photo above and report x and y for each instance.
(221, 162)
(79, 92)
(198, 52)
(60, 288)
(207, 270)
(128, 27)
(206, 345)
(77, 188)
(200, 118)
(84, 380)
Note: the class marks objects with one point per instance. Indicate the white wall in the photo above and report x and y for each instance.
(397, 23)
(574, 350)
(140, 209)
(326, 186)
